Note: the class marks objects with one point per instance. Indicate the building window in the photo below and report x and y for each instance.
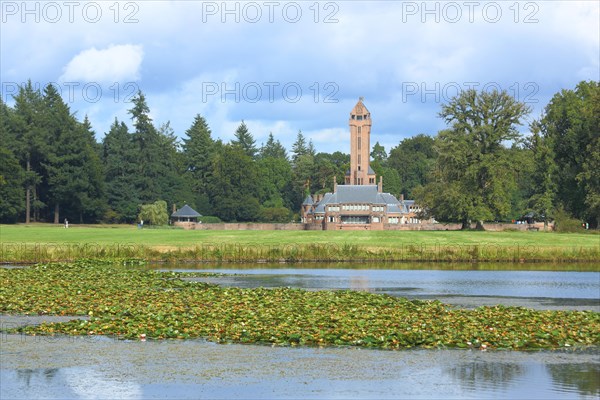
(359, 160)
(331, 219)
(371, 180)
(393, 220)
(375, 219)
(359, 141)
(355, 219)
(359, 117)
(359, 130)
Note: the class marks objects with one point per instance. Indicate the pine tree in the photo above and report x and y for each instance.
(273, 149)
(233, 185)
(12, 175)
(199, 152)
(245, 140)
(92, 200)
(30, 143)
(299, 148)
(73, 169)
(544, 176)
(172, 185)
(148, 149)
(120, 158)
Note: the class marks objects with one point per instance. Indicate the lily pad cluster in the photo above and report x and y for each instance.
(131, 302)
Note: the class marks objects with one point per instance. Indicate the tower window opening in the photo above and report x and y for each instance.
(359, 117)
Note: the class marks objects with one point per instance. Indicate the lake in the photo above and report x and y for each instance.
(101, 367)
(541, 288)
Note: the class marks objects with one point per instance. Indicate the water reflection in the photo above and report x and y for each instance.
(66, 383)
(527, 380)
(581, 378)
(444, 266)
(26, 375)
(564, 285)
(479, 374)
(312, 373)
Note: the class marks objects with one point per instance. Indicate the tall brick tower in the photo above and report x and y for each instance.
(361, 172)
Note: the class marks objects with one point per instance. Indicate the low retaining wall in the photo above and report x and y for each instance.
(249, 227)
(538, 226)
(391, 227)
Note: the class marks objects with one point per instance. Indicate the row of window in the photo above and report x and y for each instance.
(363, 219)
(356, 207)
(355, 219)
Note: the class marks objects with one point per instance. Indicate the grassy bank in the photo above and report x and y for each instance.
(130, 302)
(37, 243)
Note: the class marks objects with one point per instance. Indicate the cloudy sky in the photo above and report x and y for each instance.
(284, 66)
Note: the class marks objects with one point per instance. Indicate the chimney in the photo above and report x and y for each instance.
(380, 185)
(334, 184)
(174, 207)
(401, 196)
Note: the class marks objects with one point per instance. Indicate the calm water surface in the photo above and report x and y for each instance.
(539, 288)
(102, 368)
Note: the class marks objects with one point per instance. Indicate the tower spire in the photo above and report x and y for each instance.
(360, 146)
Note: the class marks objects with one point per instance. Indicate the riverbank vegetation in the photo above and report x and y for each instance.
(127, 301)
(40, 243)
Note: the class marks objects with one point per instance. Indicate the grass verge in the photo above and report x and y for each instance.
(42, 243)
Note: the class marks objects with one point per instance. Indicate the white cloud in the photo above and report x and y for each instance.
(117, 63)
(374, 50)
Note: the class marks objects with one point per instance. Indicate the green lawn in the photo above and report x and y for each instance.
(115, 234)
(45, 242)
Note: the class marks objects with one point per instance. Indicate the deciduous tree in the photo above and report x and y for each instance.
(474, 175)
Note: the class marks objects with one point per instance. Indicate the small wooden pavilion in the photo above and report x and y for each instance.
(185, 214)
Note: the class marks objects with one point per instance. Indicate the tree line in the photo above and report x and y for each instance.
(478, 169)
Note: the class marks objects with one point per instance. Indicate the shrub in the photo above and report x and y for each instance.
(155, 214)
(208, 219)
(276, 214)
(564, 222)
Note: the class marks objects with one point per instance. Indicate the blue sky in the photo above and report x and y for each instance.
(284, 66)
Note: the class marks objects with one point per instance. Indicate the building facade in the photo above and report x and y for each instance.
(360, 204)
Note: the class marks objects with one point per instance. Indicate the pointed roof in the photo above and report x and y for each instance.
(308, 201)
(359, 108)
(186, 212)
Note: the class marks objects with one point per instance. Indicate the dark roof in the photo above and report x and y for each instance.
(348, 194)
(357, 194)
(308, 201)
(186, 212)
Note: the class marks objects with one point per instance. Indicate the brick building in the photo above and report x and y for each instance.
(360, 204)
